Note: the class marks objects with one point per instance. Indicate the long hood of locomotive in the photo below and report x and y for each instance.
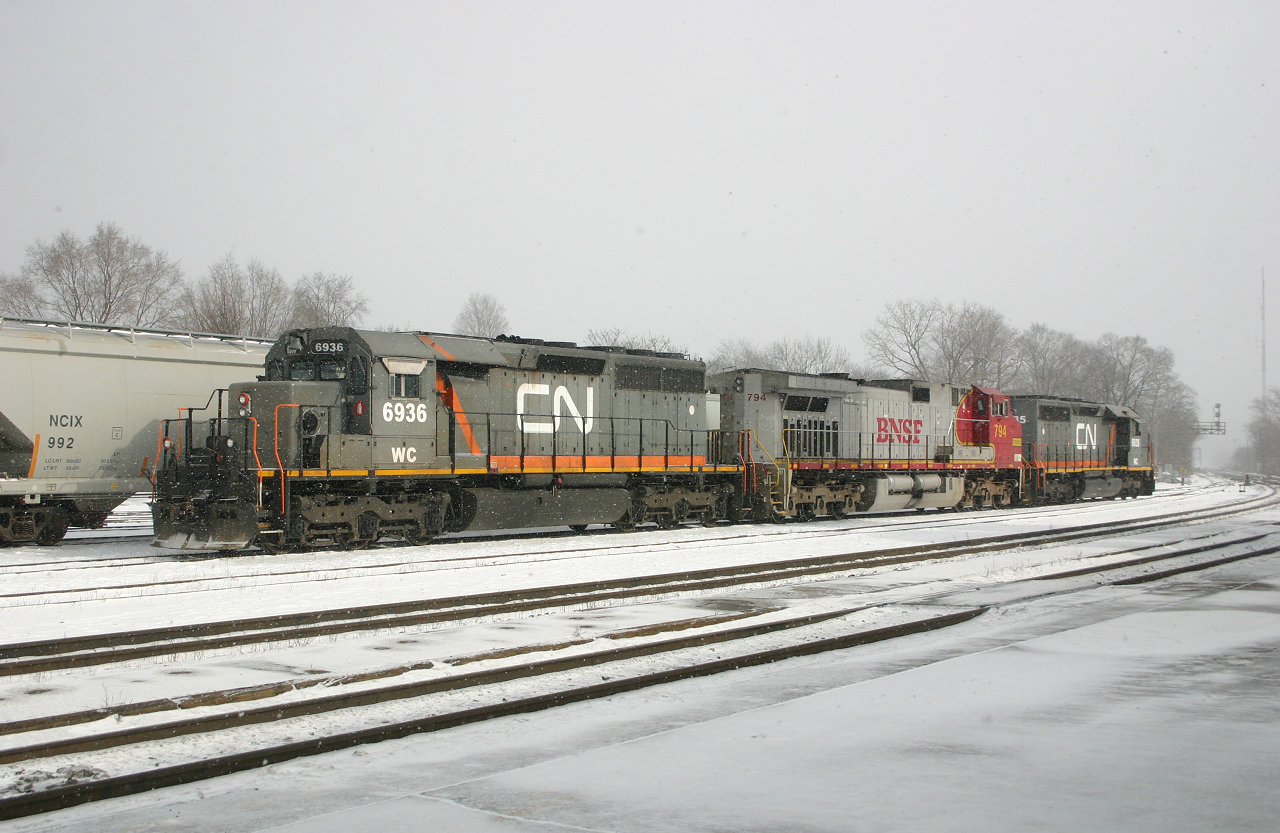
(452, 404)
(798, 416)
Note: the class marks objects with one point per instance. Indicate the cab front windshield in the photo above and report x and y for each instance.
(325, 370)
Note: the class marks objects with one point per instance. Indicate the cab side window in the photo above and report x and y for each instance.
(405, 386)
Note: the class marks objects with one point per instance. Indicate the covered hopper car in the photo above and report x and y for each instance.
(80, 406)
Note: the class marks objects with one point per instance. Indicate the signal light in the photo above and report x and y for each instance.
(244, 400)
(168, 443)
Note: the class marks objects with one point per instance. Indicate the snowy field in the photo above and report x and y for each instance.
(1150, 707)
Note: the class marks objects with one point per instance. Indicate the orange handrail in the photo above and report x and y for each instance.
(276, 443)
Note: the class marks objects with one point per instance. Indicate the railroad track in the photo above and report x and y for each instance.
(100, 649)
(569, 677)
(96, 579)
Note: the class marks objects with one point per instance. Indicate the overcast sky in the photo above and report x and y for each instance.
(703, 170)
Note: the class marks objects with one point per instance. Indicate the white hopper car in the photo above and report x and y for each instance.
(80, 408)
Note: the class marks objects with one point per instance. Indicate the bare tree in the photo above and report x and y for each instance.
(108, 279)
(482, 315)
(618, 337)
(1049, 361)
(252, 300)
(324, 299)
(802, 354)
(972, 344)
(902, 339)
(967, 344)
(1264, 434)
(20, 297)
(739, 352)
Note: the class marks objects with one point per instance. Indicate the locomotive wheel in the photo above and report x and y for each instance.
(836, 508)
(665, 522)
(578, 528)
(414, 537)
(804, 512)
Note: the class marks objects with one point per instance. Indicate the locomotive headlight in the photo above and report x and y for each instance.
(244, 412)
(231, 443)
(244, 401)
(168, 443)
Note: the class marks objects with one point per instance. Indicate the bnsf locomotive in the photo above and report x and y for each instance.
(352, 436)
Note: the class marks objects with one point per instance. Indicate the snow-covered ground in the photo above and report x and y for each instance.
(1141, 708)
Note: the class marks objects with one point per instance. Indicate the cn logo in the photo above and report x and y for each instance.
(562, 399)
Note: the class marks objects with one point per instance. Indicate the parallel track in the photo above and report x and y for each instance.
(1111, 573)
(101, 649)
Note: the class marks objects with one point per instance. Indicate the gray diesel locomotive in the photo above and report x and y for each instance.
(356, 435)
(352, 436)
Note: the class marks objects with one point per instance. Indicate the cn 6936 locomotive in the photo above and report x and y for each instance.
(353, 436)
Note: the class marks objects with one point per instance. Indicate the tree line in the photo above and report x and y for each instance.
(972, 344)
(114, 279)
(111, 278)
(1262, 454)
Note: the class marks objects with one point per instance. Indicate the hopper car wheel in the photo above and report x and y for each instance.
(55, 526)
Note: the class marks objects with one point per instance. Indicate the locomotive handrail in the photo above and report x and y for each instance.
(930, 445)
(284, 507)
(676, 442)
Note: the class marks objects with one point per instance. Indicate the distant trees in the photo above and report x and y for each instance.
(482, 315)
(970, 344)
(19, 296)
(325, 299)
(1049, 360)
(966, 344)
(107, 279)
(1263, 452)
(618, 337)
(256, 300)
(114, 279)
(250, 300)
(798, 354)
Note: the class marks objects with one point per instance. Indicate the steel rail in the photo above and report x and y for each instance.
(183, 773)
(101, 649)
(58, 798)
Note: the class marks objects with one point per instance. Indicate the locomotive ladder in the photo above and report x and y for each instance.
(776, 478)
